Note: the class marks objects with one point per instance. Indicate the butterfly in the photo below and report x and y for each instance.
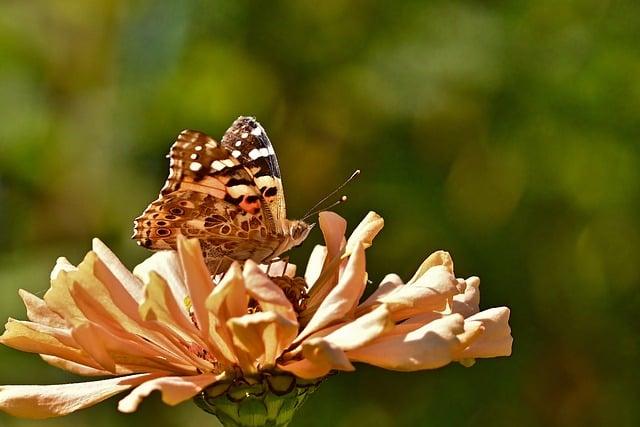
(227, 194)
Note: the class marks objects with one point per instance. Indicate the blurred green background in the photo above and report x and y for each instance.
(504, 132)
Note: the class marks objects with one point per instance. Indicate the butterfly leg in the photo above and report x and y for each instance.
(219, 265)
(286, 264)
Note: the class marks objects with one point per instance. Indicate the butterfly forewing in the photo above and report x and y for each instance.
(248, 142)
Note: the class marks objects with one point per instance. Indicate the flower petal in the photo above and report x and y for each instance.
(228, 299)
(389, 284)
(315, 264)
(62, 264)
(121, 274)
(430, 292)
(468, 302)
(320, 358)
(167, 265)
(100, 309)
(197, 278)
(496, 339)
(266, 293)
(365, 232)
(437, 258)
(46, 401)
(38, 312)
(174, 390)
(431, 346)
(160, 306)
(76, 368)
(333, 228)
(35, 338)
(343, 297)
(262, 337)
(362, 330)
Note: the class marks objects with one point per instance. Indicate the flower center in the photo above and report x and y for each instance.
(295, 289)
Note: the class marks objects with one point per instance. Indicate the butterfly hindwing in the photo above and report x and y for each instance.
(224, 229)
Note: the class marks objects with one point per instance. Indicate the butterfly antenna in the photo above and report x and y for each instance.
(336, 203)
(324, 199)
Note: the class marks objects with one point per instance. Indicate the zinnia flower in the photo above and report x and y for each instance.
(255, 334)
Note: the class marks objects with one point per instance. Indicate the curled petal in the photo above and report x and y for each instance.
(174, 390)
(229, 299)
(62, 264)
(305, 369)
(496, 339)
(435, 259)
(365, 232)
(431, 346)
(467, 303)
(343, 297)
(315, 264)
(390, 283)
(333, 227)
(320, 358)
(262, 337)
(46, 401)
(429, 293)
(362, 330)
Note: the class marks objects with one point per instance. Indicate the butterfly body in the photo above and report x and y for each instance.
(229, 195)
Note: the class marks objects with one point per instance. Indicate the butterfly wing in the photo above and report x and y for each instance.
(212, 196)
(247, 141)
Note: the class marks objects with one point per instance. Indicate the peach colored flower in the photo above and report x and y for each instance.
(170, 327)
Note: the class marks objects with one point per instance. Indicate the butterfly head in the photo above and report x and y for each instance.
(298, 230)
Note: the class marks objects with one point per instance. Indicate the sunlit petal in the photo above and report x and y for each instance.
(174, 390)
(46, 401)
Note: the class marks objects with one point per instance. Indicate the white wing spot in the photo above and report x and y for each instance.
(228, 162)
(218, 165)
(236, 153)
(195, 166)
(254, 154)
(264, 152)
(198, 148)
(256, 132)
(194, 156)
(238, 143)
(244, 135)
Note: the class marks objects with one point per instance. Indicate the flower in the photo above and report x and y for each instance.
(170, 327)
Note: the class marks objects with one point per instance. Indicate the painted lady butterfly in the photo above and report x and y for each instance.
(228, 194)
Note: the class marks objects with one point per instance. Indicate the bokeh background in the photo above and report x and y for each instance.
(504, 132)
